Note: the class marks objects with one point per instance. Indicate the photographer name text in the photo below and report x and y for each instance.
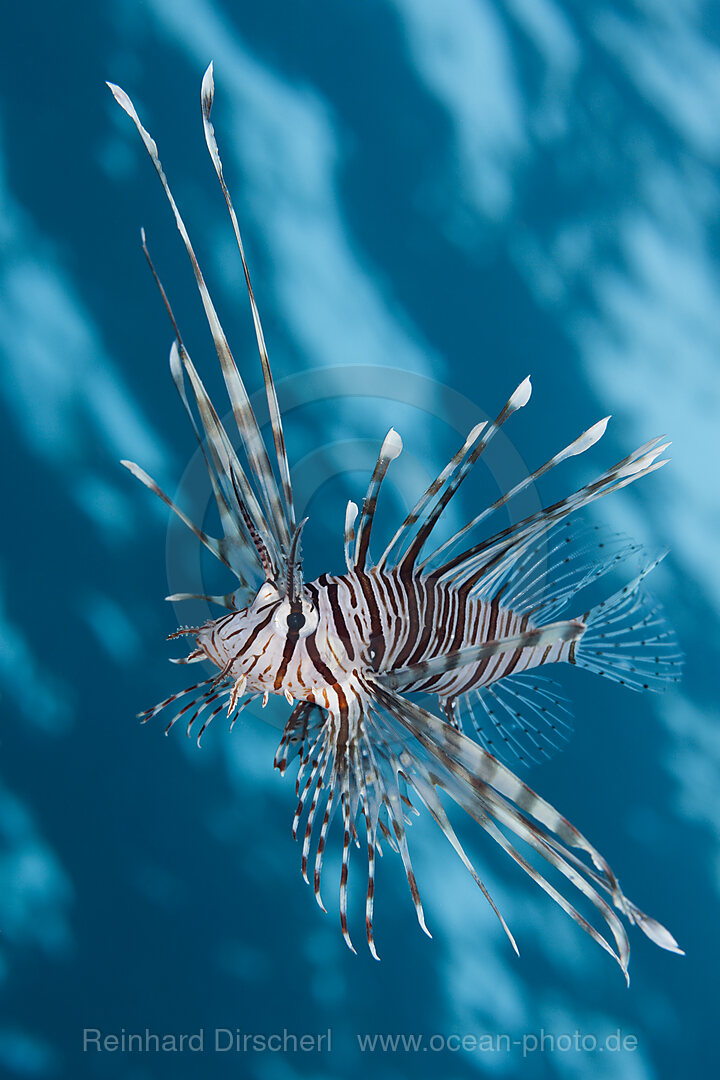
(217, 1040)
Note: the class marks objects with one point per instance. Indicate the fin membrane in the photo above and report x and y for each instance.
(545, 578)
(519, 720)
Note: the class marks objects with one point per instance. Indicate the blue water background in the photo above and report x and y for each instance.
(469, 192)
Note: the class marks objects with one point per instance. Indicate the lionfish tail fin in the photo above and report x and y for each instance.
(629, 640)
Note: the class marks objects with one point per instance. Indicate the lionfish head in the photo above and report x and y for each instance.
(280, 611)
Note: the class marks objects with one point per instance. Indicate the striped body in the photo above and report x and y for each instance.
(394, 622)
(369, 623)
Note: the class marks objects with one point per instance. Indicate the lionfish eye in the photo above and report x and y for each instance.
(295, 620)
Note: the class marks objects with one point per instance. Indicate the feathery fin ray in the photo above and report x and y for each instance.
(242, 410)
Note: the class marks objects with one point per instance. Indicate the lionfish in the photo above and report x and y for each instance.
(467, 623)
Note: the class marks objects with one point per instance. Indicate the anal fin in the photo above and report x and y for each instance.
(521, 719)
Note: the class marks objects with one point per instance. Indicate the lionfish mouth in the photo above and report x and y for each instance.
(465, 621)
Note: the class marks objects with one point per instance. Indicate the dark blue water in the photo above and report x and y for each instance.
(463, 193)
